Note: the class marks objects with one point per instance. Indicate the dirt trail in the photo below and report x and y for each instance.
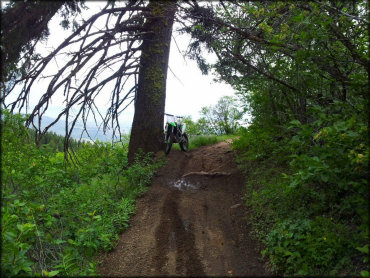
(190, 223)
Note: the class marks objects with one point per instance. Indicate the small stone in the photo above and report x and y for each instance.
(235, 206)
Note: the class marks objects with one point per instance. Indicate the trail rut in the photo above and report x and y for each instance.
(191, 222)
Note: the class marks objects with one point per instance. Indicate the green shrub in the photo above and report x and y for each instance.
(56, 217)
(307, 186)
(306, 246)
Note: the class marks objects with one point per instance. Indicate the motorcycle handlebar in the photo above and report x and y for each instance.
(173, 115)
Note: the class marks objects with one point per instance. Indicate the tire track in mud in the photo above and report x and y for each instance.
(193, 226)
(174, 235)
(175, 241)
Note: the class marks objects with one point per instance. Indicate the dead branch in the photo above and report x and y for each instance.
(212, 174)
(95, 57)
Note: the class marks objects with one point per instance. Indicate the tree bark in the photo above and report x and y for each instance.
(147, 126)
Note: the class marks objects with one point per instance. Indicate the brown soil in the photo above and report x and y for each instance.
(191, 222)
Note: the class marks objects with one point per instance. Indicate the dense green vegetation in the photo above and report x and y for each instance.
(301, 70)
(55, 217)
(308, 190)
(54, 141)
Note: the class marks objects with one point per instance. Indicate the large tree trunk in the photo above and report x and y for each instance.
(147, 126)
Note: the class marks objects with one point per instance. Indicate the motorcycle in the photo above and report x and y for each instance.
(175, 133)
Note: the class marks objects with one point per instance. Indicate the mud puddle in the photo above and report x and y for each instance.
(184, 184)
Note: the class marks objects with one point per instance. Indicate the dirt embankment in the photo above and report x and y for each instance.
(190, 223)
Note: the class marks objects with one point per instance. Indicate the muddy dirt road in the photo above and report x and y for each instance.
(190, 223)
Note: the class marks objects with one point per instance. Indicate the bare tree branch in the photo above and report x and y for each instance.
(96, 58)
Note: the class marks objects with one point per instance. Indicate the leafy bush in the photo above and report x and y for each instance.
(56, 217)
(307, 187)
(305, 246)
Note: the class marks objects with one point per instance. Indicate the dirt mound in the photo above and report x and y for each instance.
(190, 223)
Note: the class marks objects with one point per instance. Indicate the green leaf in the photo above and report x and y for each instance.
(9, 236)
(27, 269)
(53, 273)
(59, 241)
(324, 178)
(288, 253)
(364, 249)
(365, 273)
(294, 123)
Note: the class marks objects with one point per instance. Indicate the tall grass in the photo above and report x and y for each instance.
(204, 140)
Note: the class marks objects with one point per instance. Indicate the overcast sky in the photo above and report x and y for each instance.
(195, 90)
(186, 93)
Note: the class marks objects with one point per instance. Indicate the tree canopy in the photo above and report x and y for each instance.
(222, 118)
(20, 34)
(298, 54)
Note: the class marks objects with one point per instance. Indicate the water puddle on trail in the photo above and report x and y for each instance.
(183, 184)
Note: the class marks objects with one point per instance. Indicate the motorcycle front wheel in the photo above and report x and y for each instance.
(185, 143)
(168, 142)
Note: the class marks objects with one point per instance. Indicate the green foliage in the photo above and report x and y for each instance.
(313, 218)
(56, 217)
(201, 127)
(204, 140)
(192, 128)
(223, 118)
(55, 142)
(308, 246)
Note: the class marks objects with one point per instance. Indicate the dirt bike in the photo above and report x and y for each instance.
(175, 133)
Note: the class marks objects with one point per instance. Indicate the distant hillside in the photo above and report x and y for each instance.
(94, 131)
